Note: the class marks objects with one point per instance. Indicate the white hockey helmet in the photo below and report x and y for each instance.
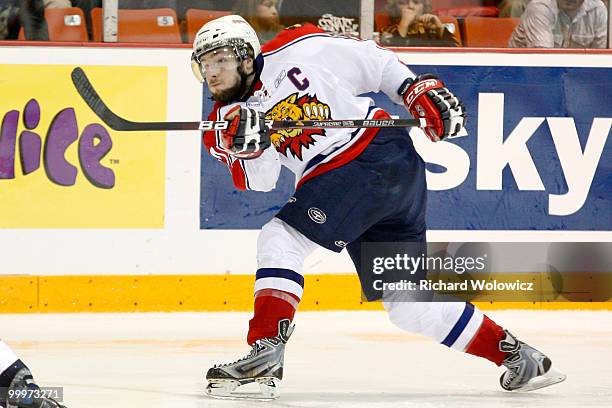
(225, 32)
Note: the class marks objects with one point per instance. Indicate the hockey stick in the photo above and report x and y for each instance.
(115, 122)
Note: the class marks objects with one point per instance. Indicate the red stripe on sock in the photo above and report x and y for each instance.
(486, 342)
(271, 305)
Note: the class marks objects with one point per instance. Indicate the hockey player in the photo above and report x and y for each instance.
(353, 186)
(17, 386)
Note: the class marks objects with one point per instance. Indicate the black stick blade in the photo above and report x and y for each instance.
(93, 100)
(115, 122)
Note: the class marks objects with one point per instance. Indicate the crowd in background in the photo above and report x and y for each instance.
(562, 24)
(401, 23)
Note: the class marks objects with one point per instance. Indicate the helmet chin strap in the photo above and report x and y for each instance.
(246, 81)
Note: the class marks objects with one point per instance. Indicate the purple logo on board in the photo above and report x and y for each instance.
(94, 143)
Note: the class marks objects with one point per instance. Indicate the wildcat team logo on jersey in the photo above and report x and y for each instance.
(294, 107)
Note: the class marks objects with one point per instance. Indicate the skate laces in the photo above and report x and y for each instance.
(256, 348)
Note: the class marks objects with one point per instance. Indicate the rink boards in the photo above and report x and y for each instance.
(149, 223)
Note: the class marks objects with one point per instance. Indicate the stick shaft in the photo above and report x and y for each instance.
(320, 124)
(116, 122)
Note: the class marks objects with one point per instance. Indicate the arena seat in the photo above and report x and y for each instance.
(381, 20)
(453, 26)
(196, 18)
(488, 31)
(66, 24)
(63, 24)
(141, 26)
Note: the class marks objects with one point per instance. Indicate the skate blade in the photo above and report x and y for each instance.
(227, 389)
(551, 377)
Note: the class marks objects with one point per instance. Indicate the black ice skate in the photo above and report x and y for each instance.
(24, 393)
(263, 365)
(528, 368)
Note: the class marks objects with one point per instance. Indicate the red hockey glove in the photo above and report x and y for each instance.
(427, 98)
(246, 136)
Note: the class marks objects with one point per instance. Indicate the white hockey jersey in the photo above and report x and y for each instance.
(310, 75)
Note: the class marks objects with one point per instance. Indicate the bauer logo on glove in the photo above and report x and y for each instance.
(246, 136)
(427, 98)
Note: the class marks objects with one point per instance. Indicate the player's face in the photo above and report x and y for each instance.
(220, 70)
(569, 7)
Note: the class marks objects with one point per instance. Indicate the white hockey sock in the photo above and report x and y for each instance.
(7, 356)
(450, 323)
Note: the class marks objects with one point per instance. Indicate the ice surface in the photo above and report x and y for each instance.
(334, 359)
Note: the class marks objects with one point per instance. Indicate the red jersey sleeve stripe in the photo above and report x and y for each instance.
(238, 175)
(209, 138)
(210, 141)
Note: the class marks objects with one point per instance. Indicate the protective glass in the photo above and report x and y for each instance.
(219, 60)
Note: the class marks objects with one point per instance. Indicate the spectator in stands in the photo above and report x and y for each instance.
(562, 24)
(337, 16)
(262, 15)
(9, 19)
(413, 25)
(29, 14)
(512, 8)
